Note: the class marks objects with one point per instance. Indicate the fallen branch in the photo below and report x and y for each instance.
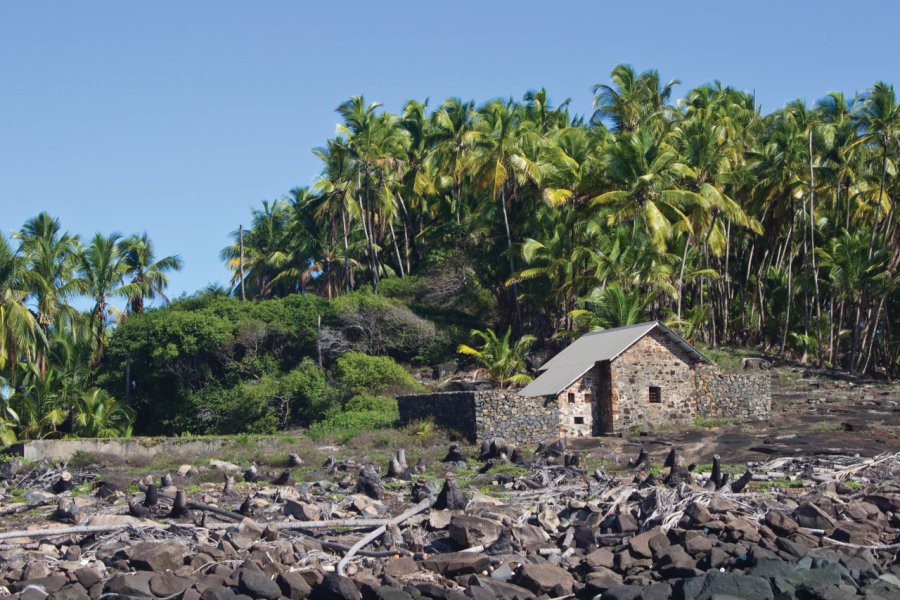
(421, 506)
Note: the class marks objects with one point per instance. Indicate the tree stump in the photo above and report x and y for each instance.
(369, 483)
(451, 496)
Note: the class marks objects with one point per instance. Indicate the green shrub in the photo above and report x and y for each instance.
(366, 403)
(360, 373)
(345, 426)
(311, 394)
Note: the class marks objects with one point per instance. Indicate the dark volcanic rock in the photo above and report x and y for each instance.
(157, 556)
(258, 585)
(335, 587)
(544, 578)
(129, 584)
(457, 563)
(723, 585)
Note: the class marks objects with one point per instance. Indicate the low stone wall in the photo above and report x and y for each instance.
(450, 410)
(128, 449)
(518, 420)
(742, 396)
(484, 414)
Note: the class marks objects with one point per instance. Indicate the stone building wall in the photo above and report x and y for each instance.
(576, 406)
(483, 414)
(519, 420)
(655, 360)
(742, 396)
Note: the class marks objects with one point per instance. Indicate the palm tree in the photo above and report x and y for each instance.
(20, 334)
(878, 117)
(148, 275)
(644, 172)
(99, 415)
(50, 265)
(632, 99)
(504, 363)
(102, 272)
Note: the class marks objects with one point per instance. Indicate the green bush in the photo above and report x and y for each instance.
(360, 373)
(365, 402)
(345, 426)
(312, 396)
(272, 402)
(177, 357)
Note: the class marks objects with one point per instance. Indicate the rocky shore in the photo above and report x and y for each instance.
(544, 527)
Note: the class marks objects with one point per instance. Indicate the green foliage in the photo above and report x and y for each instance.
(98, 415)
(504, 362)
(344, 426)
(361, 374)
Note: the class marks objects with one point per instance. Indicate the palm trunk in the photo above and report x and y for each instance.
(396, 248)
(687, 244)
(512, 262)
(790, 272)
(812, 252)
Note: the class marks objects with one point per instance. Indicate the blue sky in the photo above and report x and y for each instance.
(175, 117)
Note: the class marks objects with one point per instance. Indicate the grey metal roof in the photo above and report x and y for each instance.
(591, 348)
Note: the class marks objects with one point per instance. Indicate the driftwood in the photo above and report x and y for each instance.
(20, 508)
(228, 488)
(294, 460)
(342, 565)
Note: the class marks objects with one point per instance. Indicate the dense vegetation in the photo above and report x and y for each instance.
(776, 231)
(49, 352)
(512, 226)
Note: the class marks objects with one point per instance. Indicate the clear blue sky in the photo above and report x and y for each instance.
(175, 117)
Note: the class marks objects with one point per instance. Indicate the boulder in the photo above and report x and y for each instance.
(258, 585)
(302, 511)
(335, 587)
(457, 563)
(157, 556)
(723, 585)
(544, 578)
(129, 584)
(470, 531)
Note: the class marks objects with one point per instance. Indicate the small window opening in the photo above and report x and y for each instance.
(655, 395)
(587, 398)
(579, 420)
(571, 397)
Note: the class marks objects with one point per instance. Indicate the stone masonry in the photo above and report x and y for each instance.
(652, 383)
(655, 360)
(483, 414)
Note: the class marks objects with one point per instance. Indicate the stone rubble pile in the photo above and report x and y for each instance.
(554, 532)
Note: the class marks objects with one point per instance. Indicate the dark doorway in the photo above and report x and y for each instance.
(602, 407)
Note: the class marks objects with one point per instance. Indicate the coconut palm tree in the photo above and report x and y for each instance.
(148, 275)
(20, 334)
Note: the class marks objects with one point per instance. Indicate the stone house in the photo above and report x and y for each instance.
(604, 383)
(609, 381)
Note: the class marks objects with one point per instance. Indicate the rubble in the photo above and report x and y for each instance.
(547, 529)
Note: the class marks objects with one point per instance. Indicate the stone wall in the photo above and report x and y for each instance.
(450, 410)
(483, 414)
(519, 420)
(655, 360)
(741, 396)
(576, 406)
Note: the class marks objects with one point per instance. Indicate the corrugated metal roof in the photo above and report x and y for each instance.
(554, 381)
(570, 364)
